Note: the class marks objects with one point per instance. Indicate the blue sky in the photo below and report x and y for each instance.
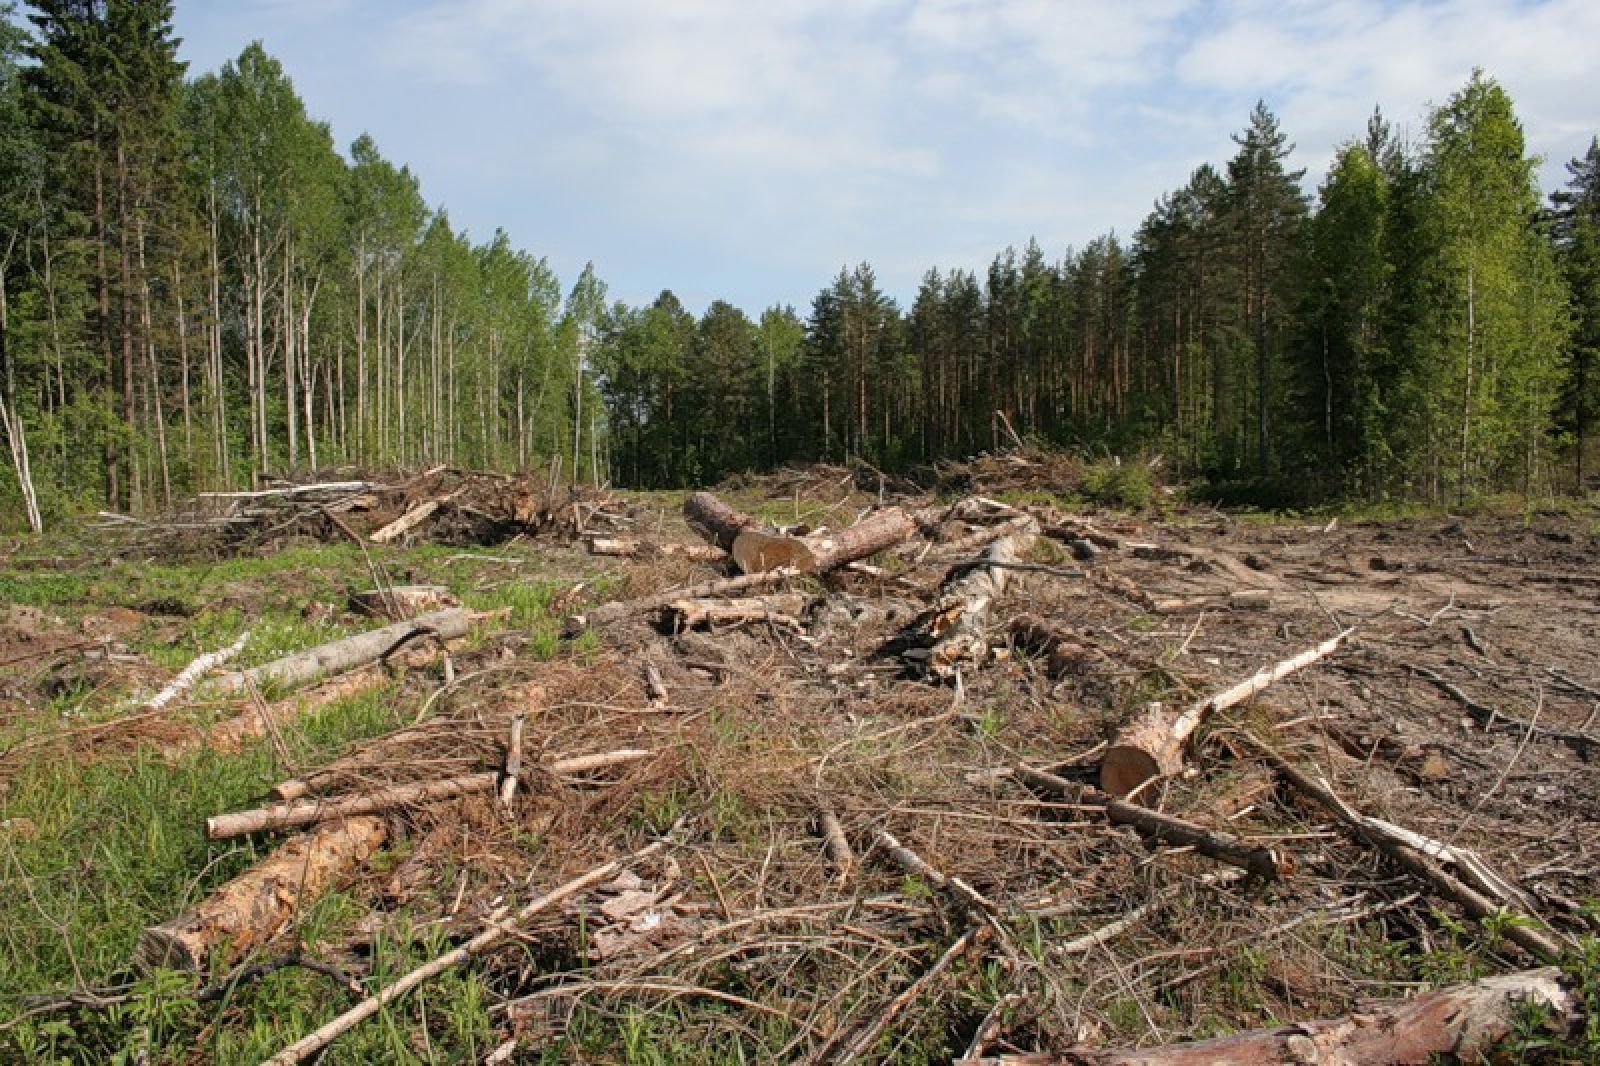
(747, 149)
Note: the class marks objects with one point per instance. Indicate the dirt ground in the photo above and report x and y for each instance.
(1462, 705)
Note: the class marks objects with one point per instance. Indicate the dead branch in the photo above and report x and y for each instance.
(508, 780)
(309, 812)
(778, 609)
(1402, 846)
(408, 521)
(192, 673)
(633, 547)
(1239, 600)
(960, 617)
(620, 609)
(1223, 847)
(1493, 720)
(1462, 1023)
(304, 1048)
(864, 1041)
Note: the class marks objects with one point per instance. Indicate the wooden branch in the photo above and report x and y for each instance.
(607, 613)
(1461, 1023)
(778, 609)
(915, 864)
(1152, 744)
(961, 614)
(1401, 847)
(715, 520)
(1240, 600)
(1493, 720)
(308, 1046)
(250, 909)
(350, 652)
(1223, 847)
(309, 812)
(977, 539)
(654, 686)
(864, 1041)
(192, 673)
(408, 521)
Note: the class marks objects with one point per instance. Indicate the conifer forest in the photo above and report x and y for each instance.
(198, 287)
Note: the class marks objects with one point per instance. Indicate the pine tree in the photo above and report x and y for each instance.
(1576, 229)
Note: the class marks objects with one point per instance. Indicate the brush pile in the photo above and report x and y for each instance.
(443, 505)
(922, 779)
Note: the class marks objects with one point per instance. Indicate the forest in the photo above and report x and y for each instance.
(198, 289)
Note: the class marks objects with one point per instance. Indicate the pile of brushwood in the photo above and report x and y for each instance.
(441, 505)
(914, 778)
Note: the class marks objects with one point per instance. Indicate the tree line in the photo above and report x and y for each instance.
(1424, 327)
(198, 289)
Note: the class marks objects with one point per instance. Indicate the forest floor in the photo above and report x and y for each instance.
(1461, 706)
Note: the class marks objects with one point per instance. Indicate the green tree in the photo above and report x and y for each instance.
(1576, 229)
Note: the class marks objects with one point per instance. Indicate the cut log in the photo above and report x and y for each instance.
(1065, 655)
(310, 812)
(1461, 1023)
(633, 547)
(350, 652)
(960, 621)
(1242, 600)
(617, 610)
(1152, 744)
(782, 608)
(253, 907)
(408, 521)
(402, 602)
(715, 520)
(875, 533)
(1223, 847)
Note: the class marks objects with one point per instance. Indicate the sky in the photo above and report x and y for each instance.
(749, 149)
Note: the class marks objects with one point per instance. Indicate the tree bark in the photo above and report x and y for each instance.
(250, 909)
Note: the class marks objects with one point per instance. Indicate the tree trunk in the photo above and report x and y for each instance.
(253, 907)
(350, 652)
(715, 520)
(960, 619)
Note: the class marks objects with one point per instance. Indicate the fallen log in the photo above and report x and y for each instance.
(350, 652)
(308, 1046)
(1461, 1023)
(960, 619)
(250, 909)
(877, 532)
(715, 520)
(781, 608)
(1223, 847)
(408, 521)
(309, 812)
(1152, 744)
(1064, 655)
(633, 547)
(1420, 856)
(617, 610)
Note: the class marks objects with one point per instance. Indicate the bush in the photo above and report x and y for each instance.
(1113, 483)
